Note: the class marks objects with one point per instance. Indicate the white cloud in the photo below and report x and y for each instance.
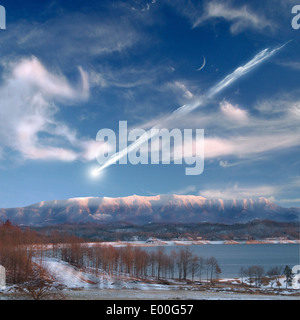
(186, 92)
(285, 193)
(28, 107)
(287, 200)
(185, 190)
(290, 64)
(91, 148)
(233, 112)
(231, 132)
(245, 146)
(241, 18)
(32, 72)
(217, 147)
(249, 160)
(237, 192)
(74, 38)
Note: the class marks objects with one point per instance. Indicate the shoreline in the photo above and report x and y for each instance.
(157, 242)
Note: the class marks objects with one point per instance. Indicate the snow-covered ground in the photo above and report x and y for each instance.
(82, 279)
(86, 285)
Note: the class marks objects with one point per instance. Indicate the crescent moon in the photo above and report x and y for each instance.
(203, 64)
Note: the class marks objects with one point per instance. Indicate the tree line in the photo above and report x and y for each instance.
(258, 276)
(254, 230)
(140, 263)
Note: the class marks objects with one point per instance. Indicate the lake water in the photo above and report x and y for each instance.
(232, 257)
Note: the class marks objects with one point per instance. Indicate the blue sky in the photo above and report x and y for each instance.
(71, 68)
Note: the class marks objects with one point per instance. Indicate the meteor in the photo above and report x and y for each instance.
(186, 109)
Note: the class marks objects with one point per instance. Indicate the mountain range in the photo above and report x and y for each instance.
(142, 210)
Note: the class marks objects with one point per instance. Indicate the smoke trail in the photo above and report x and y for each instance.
(119, 155)
(186, 109)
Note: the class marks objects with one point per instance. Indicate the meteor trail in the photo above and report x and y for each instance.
(186, 109)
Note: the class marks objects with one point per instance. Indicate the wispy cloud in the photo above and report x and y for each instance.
(143, 7)
(234, 113)
(240, 18)
(248, 145)
(28, 108)
(186, 190)
(290, 64)
(34, 74)
(85, 36)
(235, 136)
(238, 192)
(284, 194)
(283, 201)
(182, 87)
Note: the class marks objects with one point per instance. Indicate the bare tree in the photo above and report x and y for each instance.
(194, 266)
(184, 262)
(274, 273)
(255, 274)
(159, 260)
(173, 259)
(41, 285)
(201, 267)
(213, 268)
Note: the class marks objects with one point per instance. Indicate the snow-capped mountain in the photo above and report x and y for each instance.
(155, 209)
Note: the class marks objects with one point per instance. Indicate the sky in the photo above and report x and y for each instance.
(71, 68)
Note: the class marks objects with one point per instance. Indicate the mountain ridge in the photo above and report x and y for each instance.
(149, 209)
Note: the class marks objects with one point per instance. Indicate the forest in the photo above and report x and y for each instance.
(254, 230)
